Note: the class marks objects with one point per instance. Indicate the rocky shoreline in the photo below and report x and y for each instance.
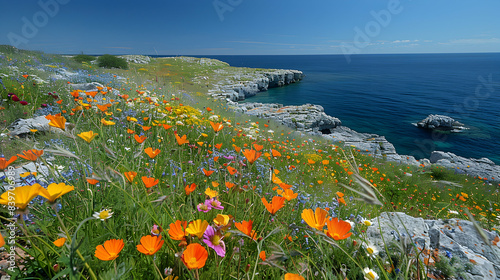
(312, 119)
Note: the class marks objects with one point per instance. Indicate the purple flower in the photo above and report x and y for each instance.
(228, 157)
(204, 207)
(214, 203)
(213, 240)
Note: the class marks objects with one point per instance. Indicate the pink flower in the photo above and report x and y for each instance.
(213, 240)
(24, 103)
(214, 204)
(15, 98)
(156, 230)
(204, 207)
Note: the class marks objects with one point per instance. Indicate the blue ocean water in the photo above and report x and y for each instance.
(385, 94)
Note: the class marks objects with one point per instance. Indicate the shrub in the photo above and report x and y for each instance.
(111, 61)
(84, 58)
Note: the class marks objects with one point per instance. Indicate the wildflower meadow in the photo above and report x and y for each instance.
(148, 178)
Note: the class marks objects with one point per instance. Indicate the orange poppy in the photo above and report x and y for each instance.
(110, 250)
(103, 108)
(231, 170)
(57, 121)
(262, 255)
(31, 154)
(195, 256)
(277, 203)
(130, 175)
(208, 172)
(151, 153)
(218, 146)
(26, 76)
(285, 186)
(91, 93)
(316, 220)
(130, 131)
(236, 148)
(246, 228)
(177, 230)
(92, 181)
(166, 126)
(149, 181)
(338, 229)
(288, 194)
(258, 147)
(5, 163)
(209, 109)
(292, 276)
(216, 126)
(146, 128)
(341, 200)
(251, 155)
(140, 139)
(230, 185)
(181, 140)
(150, 244)
(275, 153)
(59, 242)
(190, 188)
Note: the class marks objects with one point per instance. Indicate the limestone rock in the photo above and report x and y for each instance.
(21, 127)
(86, 86)
(139, 59)
(368, 143)
(441, 122)
(483, 167)
(307, 117)
(453, 237)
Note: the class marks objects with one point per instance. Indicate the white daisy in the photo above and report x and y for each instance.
(370, 274)
(103, 214)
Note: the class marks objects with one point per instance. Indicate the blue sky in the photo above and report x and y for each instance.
(214, 27)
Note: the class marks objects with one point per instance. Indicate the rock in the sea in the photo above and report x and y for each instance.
(441, 122)
(483, 167)
(453, 238)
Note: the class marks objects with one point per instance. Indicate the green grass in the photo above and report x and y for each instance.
(316, 169)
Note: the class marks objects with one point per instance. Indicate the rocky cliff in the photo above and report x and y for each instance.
(242, 85)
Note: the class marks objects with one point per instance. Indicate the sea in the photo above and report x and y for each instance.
(386, 94)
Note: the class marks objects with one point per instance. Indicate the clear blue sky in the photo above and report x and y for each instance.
(196, 27)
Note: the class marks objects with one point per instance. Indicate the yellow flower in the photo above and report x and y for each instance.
(211, 193)
(105, 122)
(221, 220)
(197, 228)
(54, 191)
(22, 195)
(88, 136)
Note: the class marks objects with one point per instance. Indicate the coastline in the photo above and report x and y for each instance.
(311, 119)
